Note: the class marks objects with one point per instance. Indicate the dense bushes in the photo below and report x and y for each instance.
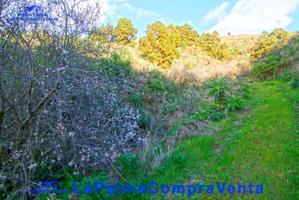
(269, 41)
(276, 57)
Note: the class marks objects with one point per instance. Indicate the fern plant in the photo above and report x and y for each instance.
(218, 89)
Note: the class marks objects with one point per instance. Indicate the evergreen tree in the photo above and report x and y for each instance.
(102, 34)
(101, 38)
(189, 36)
(212, 44)
(175, 35)
(158, 45)
(125, 33)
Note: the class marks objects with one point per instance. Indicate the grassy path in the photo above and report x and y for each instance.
(261, 148)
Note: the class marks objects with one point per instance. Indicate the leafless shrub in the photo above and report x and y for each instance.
(56, 112)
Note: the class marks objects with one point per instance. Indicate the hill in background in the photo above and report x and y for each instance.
(196, 65)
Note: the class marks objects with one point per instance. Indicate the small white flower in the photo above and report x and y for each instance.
(71, 163)
(32, 166)
(71, 134)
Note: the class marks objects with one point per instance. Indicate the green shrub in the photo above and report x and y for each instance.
(161, 85)
(217, 89)
(136, 100)
(170, 107)
(233, 104)
(245, 90)
(129, 165)
(145, 120)
(274, 63)
(274, 53)
(116, 66)
(156, 85)
(295, 82)
(202, 115)
(286, 76)
(216, 111)
(178, 157)
(224, 100)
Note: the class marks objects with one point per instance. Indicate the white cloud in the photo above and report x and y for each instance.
(146, 13)
(124, 4)
(217, 12)
(254, 16)
(129, 6)
(164, 20)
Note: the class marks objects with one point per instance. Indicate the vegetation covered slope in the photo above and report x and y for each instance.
(258, 145)
(274, 53)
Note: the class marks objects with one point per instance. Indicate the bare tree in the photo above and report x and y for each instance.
(56, 111)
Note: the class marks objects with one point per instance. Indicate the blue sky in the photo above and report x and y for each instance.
(235, 16)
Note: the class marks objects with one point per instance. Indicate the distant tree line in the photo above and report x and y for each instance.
(161, 42)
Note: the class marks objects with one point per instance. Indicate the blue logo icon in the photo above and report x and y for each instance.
(31, 8)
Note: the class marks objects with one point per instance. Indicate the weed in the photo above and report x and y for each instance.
(202, 115)
(129, 165)
(136, 100)
(156, 85)
(216, 111)
(218, 89)
(233, 104)
(145, 120)
(295, 82)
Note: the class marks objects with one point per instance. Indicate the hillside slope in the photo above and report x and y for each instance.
(258, 145)
(195, 65)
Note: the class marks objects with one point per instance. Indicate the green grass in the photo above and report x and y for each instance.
(258, 145)
(260, 149)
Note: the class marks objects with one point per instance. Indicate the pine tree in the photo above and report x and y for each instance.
(189, 36)
(212, 44)
(175, 35)
(125, 33)
(102, 34)
(158, 45)
(101, 38)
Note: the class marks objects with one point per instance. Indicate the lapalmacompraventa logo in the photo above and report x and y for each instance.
(32, 13)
